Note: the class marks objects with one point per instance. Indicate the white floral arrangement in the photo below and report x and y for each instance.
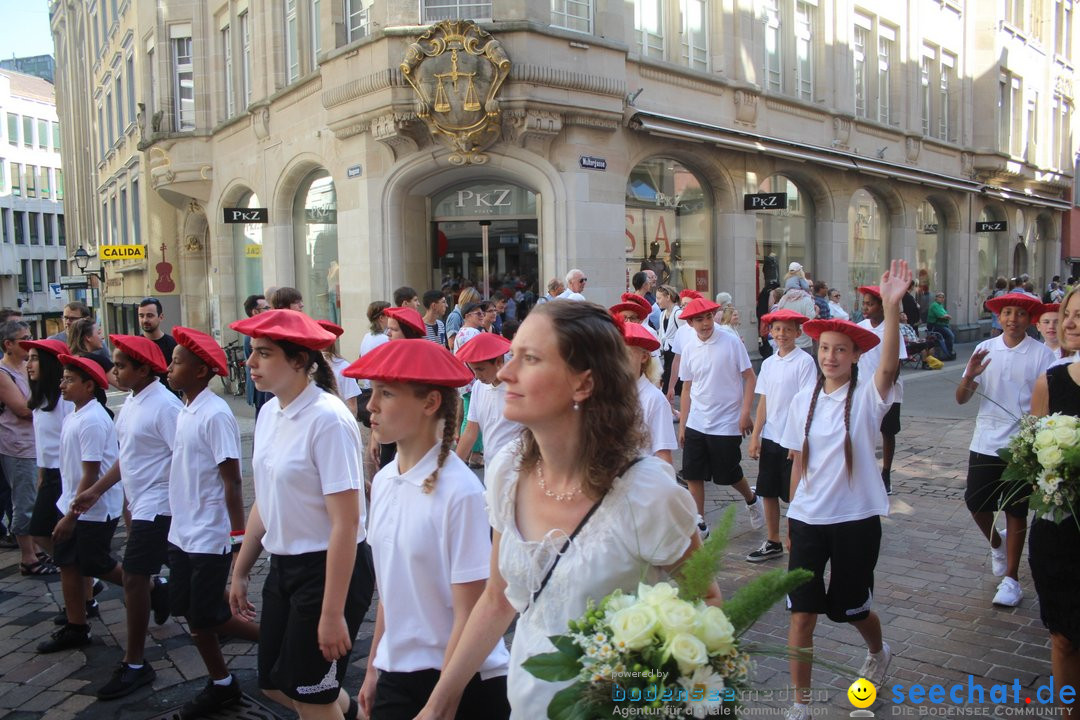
(1044, 463)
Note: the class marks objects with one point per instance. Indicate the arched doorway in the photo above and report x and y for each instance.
(868, 227)
(1020, 252)
(784, 236)
(1042, 264)
(929, 254)
(990, 255)
(247, 250)
(315, 246)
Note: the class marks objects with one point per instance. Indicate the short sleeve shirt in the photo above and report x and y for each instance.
(715, 368)
(869, 360)
(321, 457)
(146, 428)
(347, 387)
(486, 410)
(206, 436)
(656, 414)
(1005, 389)
(47, 425)
(88, 435)
(780, 380)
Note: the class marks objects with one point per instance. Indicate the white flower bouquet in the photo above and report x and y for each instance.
(663, 648)
(1044, 463)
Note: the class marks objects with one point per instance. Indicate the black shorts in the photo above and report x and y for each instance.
(289, 657)
(46, 515)
(774, 471)
(890, 424)
(402, 695)
(88, 549)
(147, 546)
(851, 550)
(712, 457)
(1054, 557)
(197, 587)
(986, 492)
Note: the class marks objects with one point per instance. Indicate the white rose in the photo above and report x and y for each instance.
(633, 627)
(1050, 457)
(689, 652)
(618, 601)
(656, 594)
(676, 616)
(1064, 436)
(715, 630)
(1044, 439)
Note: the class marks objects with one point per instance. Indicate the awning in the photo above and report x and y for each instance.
(694, 131)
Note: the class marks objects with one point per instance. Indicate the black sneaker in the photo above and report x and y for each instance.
(66, 638)
(767, 551)
(93, 610)
(126, 680)
(159, 600)
(211, 699)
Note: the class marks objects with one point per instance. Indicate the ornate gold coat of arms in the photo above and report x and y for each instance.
(456, 69)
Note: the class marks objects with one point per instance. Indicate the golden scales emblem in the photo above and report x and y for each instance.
(456, 70)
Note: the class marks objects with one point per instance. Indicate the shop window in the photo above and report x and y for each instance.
(867, 230)
(989, 259)
(247, 255)
(432, 11)
(784, 236)
(929, 254)
(315, 246)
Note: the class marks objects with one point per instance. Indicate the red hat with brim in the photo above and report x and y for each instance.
(698, 306)
(628, 307)
(141, 349)
(417, 361)
(637, 335)
(870, 290)
(55, 347)
(483, 347)
(640, 301)
(206, 348)
(864, 339)
(1050, 308)
(783, 314)
(331, 327)
(88, 366)
(1033, 306)
(407, 316)
(692, 294)
(289, 325)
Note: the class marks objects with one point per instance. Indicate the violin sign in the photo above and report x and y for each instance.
(122, 252)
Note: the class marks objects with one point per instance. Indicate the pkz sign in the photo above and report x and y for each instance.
(765, 201)
(244, 216)
(992, 226)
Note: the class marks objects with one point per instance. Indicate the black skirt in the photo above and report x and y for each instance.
(1054, 557)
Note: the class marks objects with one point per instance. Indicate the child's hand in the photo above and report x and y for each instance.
(238, 598)
(334, 640)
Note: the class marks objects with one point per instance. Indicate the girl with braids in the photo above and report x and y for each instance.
(429, 536)
(309, 514)
(837, 496)
(576, 511)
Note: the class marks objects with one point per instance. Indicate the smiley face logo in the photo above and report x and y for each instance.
(862, 693)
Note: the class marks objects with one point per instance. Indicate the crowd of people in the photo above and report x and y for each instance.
(364, 477)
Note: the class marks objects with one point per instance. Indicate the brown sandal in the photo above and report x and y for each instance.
(38, 568)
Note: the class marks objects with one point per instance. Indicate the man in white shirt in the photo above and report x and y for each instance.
(575, 286)
(717, 393)
(1005, 368)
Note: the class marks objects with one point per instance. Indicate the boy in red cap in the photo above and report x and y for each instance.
(207, 504)
(146, 429)
(82, 539)
(1048, 328)
(485, 355)
(1003, 370)
(783, 374)
(655, 410)
(717, 393)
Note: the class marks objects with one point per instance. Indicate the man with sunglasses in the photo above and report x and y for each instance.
(72, 311)
(150, 317)
(575, 285)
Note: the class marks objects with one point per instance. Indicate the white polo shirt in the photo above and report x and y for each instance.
(422, 544)
(486, 410)
(88, 435)
(682, 337)
(826, 494)
(656, 416)
(146, 427)
(47, 425)
(869, 360)
(780, 380)
(346, 387)
(303, 452)
(715, 368)
(1004, 390)
(206, 436)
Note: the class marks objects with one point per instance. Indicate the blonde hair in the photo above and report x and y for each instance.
(1066, 352)
(466, 296)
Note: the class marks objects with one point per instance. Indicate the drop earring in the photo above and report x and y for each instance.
(577, 406)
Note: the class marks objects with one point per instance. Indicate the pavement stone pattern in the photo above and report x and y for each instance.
(933, 592)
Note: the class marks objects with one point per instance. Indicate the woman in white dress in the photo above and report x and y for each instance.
(577, 512)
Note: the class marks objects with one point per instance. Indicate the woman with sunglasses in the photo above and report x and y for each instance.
(836, 310)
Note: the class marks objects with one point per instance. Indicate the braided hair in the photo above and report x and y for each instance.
(448, 414)
(847, 422)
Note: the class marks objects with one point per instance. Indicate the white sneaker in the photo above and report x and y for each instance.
(798, 712)
(999, 561)
(1009, 593)
(757, 513)
(875, 667)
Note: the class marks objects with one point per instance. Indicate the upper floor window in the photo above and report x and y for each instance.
(649, 27)
(292, 41)
(245, 51)
(773, 79)
(886, 43)
(805, 10)
(230, 93)
(946, 85)
(862, 79)
(432, 11)
(13, 128)
(183, 84)
(1063, 38)
(28, 131)
(43, 134)
(572, 14)
(926, 65)
(358, 18)
(316, 33)
(130, 88)
(695, 33)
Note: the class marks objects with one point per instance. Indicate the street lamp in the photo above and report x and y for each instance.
(81, 259)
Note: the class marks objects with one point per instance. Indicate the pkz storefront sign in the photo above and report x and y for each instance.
(765, 201)
(588, 162)
(992, 226)
(484, 199)
(244, 216)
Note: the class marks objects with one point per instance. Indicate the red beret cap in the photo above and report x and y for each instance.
(864, 339)
(88, 366)
(628, 307)
(870, 290)
(417, 361)
(205, 347)
(698, 306)
(331, 327)
(783, 314)
(291, 325)
(637, 335)
(141, 349)
(56, 347)
(688, 293)
(483, 347)
(1033, 306)
(408, 316)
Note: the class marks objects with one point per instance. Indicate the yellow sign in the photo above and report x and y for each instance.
(253, 251)
(122, 252)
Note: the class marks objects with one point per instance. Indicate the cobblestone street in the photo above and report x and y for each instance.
(933, 591)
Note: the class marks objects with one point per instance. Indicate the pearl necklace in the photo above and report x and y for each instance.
(561, 497)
